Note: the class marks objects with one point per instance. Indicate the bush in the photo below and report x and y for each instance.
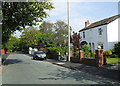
(93, 53)
(86, 54)
(86, 50)
(53, 52)
(114, 56)
(77, 54)
(117, 48)
(64, 50)
(107, 53)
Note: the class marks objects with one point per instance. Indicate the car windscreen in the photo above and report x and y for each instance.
(39, 52)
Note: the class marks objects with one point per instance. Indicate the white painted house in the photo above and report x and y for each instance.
(103, 33)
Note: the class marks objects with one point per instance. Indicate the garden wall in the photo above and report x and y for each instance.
(88, 61)
(98, 61)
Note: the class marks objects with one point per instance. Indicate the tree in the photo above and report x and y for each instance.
(61, 33)
(58, 33)
(12, 44)
(21, 14)
(75, 40)
(45, 41)
(29, 37)
(46, 27)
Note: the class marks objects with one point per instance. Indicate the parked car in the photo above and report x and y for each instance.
(39, 55)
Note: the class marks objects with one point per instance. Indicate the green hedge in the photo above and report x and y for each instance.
(86, 50)
(107, 53)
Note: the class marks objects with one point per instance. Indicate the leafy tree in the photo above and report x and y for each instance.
(29, 37)
(46, 27)
(12, 44)
(20, 14)
(61, 33)
(58, 33)
(46, 41)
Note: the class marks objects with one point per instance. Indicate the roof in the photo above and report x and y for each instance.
(101, 22)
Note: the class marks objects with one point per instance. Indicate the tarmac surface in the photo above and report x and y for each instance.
(22, 69)
(102, 72)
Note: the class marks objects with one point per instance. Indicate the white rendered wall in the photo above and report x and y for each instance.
(92, 36)
(112, 33)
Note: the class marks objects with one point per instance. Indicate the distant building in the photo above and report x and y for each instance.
(103, 33)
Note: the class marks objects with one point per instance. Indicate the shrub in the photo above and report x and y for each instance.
(64, 50)
(53, 52)
(77, 54)
(107, 53)
(86, 54)
(117, 48)
(93, 53)
(86, 50)
(114, 56)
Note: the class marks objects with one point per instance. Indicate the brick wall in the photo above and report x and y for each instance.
(88, 61)
(75, 60)
(98, 61)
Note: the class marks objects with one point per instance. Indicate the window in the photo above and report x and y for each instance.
(90, 45)
(101, 46)
(93, 46)
(83, 34)
(100, 31)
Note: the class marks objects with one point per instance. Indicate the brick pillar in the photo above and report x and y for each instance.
(81, 55)
(99, 58)
(71, 54)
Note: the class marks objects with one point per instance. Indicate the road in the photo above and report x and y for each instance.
(21, 69)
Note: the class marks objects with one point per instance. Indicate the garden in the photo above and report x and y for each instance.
(112, 56)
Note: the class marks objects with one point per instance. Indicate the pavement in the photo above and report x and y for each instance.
(100, 72)
(111, 73)
(4, 57)
(22, 69)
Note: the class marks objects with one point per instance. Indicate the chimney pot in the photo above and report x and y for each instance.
(87, 23)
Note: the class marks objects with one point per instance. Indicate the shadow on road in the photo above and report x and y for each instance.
(12, 61)
(82, 77)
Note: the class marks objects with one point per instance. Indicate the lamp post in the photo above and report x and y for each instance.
(68, 32)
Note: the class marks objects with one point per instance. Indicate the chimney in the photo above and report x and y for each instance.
(87, 23)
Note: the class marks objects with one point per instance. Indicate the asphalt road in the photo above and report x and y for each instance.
(21, 69)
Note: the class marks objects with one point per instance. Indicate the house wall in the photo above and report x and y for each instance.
(92, 36)
(112, 34)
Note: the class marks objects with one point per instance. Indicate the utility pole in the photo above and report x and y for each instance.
(68, 32)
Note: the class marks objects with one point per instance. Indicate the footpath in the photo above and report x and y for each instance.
(5, 56)
(109, 74)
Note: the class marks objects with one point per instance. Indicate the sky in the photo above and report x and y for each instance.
(81, 11)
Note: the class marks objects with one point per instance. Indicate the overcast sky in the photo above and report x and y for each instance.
(81, 11)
